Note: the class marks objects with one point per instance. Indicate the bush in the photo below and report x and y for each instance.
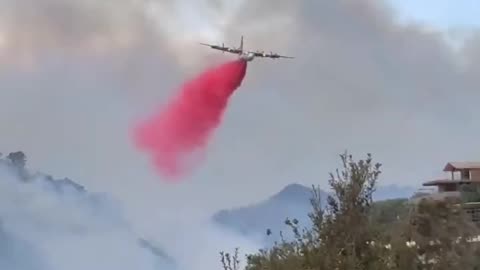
(352, 232)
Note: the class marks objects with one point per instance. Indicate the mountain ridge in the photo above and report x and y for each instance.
(292, 201)
(17, 180)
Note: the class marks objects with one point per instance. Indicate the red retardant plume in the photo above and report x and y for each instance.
(185, 126)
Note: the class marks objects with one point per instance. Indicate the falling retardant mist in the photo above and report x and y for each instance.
(183, 128)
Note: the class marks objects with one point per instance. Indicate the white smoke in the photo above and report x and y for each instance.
(185, 23)
(29, 29)
(67, 231)
(43, 229)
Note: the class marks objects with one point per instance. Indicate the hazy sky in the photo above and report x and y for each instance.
(440, 13)
(76, 74)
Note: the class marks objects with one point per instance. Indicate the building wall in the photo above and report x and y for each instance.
(447, 187)
(473, 211)
(439, 196)
(475, 175)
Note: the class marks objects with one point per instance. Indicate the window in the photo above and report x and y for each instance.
(466, 174)
(474, 214)
(450, 187)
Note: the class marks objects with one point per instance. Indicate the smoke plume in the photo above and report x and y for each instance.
(42, 229)
(49, 224)
(187, 123)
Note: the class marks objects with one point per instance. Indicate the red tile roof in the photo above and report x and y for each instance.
(453, 166)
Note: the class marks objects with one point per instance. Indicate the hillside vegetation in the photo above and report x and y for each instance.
(352, 232)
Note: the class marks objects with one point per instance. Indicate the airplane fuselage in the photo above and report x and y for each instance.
(245, 55)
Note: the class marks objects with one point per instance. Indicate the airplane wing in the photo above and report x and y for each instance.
(259, 54)
(216, 47)
(235, 51)
(271, 55)
(284, 56)
(222, 48)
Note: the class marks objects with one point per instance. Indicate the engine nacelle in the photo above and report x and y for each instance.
(248, 56)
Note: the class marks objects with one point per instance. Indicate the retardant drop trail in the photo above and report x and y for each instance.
(184, 127)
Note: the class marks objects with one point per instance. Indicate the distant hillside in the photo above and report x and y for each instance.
(67, 210)
(393, 192)
(293, 201)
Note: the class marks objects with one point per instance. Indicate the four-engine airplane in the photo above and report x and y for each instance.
(245, 55)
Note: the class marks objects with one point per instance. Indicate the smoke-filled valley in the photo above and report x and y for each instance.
(57, 224)
(49, 224)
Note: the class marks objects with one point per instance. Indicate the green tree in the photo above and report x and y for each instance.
(341, 234)
(389, 213)
(18, 159)
(352, 232)
(441, 232)
(347, 228)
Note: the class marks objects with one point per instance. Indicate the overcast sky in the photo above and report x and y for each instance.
(442, 14)
(76, 74)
